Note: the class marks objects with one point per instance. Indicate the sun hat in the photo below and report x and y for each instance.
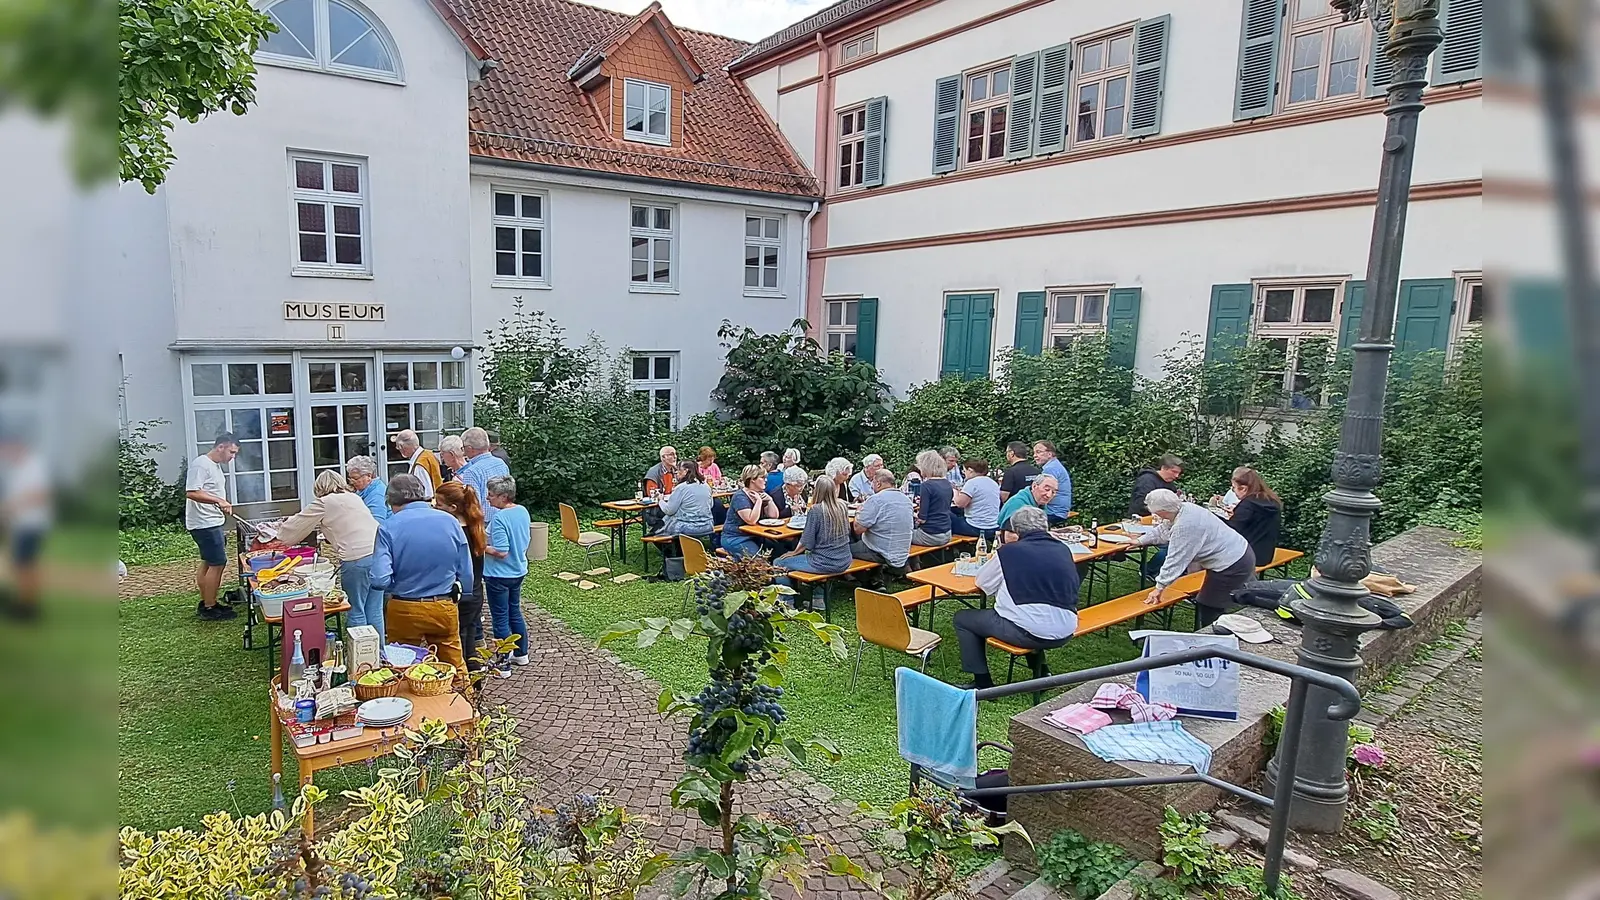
(1243, 627)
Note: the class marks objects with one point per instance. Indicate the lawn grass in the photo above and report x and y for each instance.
(193, 707)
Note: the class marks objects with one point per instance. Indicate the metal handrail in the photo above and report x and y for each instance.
(1300, 678)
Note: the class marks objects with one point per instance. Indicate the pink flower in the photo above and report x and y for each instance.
(1370, 755)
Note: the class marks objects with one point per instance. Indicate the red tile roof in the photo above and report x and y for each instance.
(617, 38)
(526, 109)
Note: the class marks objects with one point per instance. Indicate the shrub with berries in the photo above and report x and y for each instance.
(734, 723)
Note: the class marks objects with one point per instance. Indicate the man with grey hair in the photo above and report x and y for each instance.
(952, 462)
(362, 474)
(1034, 582)
(420, 461)
(774, 469)
(480, 466)
(839, 470)
(884, 524)
(861, 482)
(421, 561)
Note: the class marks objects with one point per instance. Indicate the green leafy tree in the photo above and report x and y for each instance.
(181, 59)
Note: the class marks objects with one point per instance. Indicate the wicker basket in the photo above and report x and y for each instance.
(365, 692)
(435, 687)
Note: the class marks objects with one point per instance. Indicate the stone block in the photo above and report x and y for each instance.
(1357, 886)
(1222, 839)
(1123, 890)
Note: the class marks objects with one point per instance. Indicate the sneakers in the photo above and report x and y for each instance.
(218, 613)
(520, 660)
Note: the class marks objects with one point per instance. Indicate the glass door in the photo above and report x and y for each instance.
(426, 393)
(340, 404)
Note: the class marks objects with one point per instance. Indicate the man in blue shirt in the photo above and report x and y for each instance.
(362, 473)
(481, 466)
(422, 563)
(1044, 454)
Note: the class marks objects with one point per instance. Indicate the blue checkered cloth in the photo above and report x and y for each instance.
(1156, 742)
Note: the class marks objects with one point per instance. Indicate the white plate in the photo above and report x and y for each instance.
(771, 523)
(384, 711)
(1116, 539)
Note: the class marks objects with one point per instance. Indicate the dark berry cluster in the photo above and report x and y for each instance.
(708, 593)
(732, 689)
(748, 631)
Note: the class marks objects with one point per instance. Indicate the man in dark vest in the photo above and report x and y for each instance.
(1034, 583)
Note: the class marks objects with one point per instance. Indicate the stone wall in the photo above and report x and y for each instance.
(1448, 581)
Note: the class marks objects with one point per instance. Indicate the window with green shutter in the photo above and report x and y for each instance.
(1460, 57)
(1023, 105)
(1256, 90)
(1075, 312)
(1150, 40)
(1122, 324)
(1423, 315)
(1030, 323)
(946, 124)
(968, 329)
(876, 116)
(1050, 127)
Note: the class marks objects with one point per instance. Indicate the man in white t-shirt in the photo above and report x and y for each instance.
(204, 513)
(26, 513)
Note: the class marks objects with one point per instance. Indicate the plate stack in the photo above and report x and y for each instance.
(384, 712)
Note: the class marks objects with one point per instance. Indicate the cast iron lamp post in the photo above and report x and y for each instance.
(1332, 616)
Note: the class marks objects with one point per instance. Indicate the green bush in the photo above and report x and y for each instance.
(1088, 868)
(146, 501)
(782, 390)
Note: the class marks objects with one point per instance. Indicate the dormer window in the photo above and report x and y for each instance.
(647, 112)
(331, 36)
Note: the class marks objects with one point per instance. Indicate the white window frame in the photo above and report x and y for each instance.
(413, 397)
(1325, 24)
(840, 337)
(1460, 326)
(1072, 330)
(762, 243)
(646, 136)
(328, 198)
(650, 235)
(987, 107)
(855, 140)
(1102, 79)
(520, 223)
(322, 53)
(1296, 331)
(263, 403)
(653, 384)
(859, 47)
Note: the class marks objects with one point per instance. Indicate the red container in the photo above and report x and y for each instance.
(306, 616)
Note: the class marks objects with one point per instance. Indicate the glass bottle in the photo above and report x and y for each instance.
(1094, 532)
(297, 661)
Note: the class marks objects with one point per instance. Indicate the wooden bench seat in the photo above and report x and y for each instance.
(1281, 558)
(811, 580)
(1111, 613)
(659, 539)
(911, 598)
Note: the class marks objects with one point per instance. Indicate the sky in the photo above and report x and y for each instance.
(749, 20)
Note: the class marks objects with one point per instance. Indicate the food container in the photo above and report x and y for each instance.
(271, 602)
(305, 711)
(364, 648)
(319, 576)
(430, 678)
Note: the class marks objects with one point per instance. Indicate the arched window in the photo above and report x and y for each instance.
(331, 35)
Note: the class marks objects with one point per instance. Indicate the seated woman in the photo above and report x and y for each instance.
(976, 503)
(1257, 515)
(709, 470)
(748, 505)
(348, 525)
(935, 496)
(1194, 535)
(1034, 583)
(687, 510)
(790, 498)
(825, 544)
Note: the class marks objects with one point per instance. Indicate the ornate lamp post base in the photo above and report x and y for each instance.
(1333, 619)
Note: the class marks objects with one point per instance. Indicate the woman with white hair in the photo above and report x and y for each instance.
(1193, 535)
(934, 498)
(348, 525)
(791, 497)
(839, 469)
(362, 473)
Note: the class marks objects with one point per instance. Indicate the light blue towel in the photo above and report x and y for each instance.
(938, 725)
(1156, 742)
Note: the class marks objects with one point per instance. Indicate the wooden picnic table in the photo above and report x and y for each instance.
(779, 532)
(630, 507)
(452, 708)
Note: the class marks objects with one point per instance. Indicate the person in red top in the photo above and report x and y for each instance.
(663, 474)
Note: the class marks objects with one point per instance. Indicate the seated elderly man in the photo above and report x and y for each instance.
(662, 476)
(861, 483)
(1035, 587)
(422, 563)
(362, 474)
(884, 524)
(1038, 496)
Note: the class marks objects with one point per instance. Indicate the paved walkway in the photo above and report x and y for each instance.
(590, 725)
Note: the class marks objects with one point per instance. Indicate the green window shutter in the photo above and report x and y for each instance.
(953, 361)
(1024, 105)
(1122, 324)
(867, 330)
(1460, 57)
(946, 123)
(1355, 297)
(1380, 68)
(1050, 128)
(1423, 320)
(1150, 38)
(1229, 324)
(1541, 326)
(1259, 36)
(872, 142)
(1030, 323)
(980, 328)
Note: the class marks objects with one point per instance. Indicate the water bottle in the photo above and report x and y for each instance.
(983, 548)
(1094, 532)
(297, 661)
